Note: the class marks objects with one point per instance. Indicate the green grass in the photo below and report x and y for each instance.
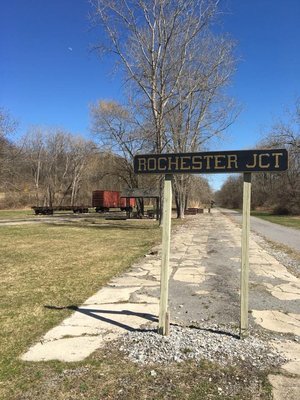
(286, 220)
(27, 213)
(107, 375)
(8, 214)
(57, 265)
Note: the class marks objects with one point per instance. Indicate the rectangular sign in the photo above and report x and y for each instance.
(212, 162)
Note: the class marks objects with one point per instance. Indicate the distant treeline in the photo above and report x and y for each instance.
(53, 167)
(279, 192)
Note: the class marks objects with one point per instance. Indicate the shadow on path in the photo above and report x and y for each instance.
(94, 313)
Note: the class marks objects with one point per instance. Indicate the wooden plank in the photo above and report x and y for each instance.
(245, 255)
(163, 326)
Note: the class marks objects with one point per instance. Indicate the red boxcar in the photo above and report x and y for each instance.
(103, 200)
(127, 202)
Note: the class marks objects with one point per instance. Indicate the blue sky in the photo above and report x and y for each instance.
(49, 75)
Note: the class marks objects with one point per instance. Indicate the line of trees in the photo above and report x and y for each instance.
(279, 192)
(49, 166)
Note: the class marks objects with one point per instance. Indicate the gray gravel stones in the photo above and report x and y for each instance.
(148, 347)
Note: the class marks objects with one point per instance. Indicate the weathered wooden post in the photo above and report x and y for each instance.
(164, 318)
(245, 254)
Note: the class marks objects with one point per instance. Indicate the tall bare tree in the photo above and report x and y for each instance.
(201, 110)
(7, 124)
(35, 155)
(7, 149)
(176, 66)
(81, 152)
(120, 131)
(231, 193)
(57, 161)
(282, 191)
(157, 42)
(279, 192)
(117, 130)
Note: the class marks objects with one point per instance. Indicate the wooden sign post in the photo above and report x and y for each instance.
(246, 161)
(245, 254)
(163, 325)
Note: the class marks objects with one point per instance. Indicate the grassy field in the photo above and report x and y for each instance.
(27, 213)
(57, 265)
(12, 214)
(61, 264)
(286, 220)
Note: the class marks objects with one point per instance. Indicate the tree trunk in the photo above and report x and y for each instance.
(177, 204)
(140, 207)
(181, 197)
(180, 188)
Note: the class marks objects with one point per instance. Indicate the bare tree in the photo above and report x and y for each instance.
(231, 193)
(176, 66)
(81, 152)
(7, 149)
(282, 191)
(152, 39)
(157, 43)
(57, 161)
(35, 155)
(279, 192)
(202, 111)
(7, 124)
(119, 131)
(200, 193)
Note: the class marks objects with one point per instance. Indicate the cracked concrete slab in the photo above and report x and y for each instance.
(201, 292)
(132, 281)
(114, 316)
(290, 350)
(143, 298)
(111, 295)
(276, 271)
(278, 321)
(67, 349)
(287, 291)
(285, 387)
(189, 275)
(89, 328)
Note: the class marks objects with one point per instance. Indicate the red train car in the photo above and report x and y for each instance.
(127, 202)
(103, 200)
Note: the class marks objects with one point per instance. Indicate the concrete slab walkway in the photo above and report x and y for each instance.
(204, 286)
